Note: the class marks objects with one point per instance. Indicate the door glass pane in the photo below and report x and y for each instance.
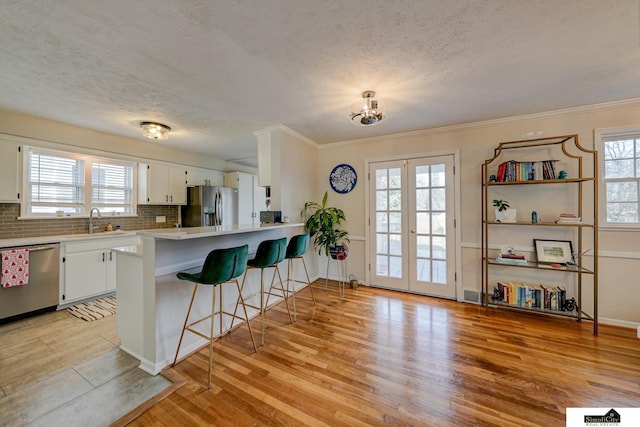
(382, 203)
(382, 245)
(423, 248)
(422, 199)
(395, 244)
(395, 178)
(395, 222)
(422, 176)
(382, 265)
(439, 222)
(382, 222)
(424, 270)
(437, 175)
(382, 181)
(438, 201)
(439, 272)
(422, 223)
(395, 200)
(395, 266)
(439, 247)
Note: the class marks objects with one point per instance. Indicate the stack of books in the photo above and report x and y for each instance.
(511, 258)
(569, 218)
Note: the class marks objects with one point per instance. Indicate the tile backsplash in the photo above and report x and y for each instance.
(13, 228)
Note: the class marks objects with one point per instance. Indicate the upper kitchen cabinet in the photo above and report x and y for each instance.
(251, 198)
(162, 184)
(202, 176)
(10, 171)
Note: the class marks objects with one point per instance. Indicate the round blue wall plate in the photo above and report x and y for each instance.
(343, 178)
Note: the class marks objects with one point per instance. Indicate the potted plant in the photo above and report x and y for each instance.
(503, 212)
(323, 224)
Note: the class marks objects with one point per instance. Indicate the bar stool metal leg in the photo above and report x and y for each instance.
(186, 321)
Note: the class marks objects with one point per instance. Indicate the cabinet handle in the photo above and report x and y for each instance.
(171, 198)
(102, 256)
(166, 198)
(110, 256)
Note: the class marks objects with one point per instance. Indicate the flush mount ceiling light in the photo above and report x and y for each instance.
(368, 111)
(153, 130)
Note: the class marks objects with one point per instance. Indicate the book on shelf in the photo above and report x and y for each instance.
(513, 261)
(513, 171)
(533, 295)
(568, 218)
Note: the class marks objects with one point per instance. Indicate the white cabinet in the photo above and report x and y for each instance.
(88, 267)
(251, 198)
(162, 184)
(10, 171)
(202, 176)
(85, 274)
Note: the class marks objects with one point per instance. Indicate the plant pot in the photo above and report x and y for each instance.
(339, 252)
(508, 215)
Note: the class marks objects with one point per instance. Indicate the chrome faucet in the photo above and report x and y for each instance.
(91, 219)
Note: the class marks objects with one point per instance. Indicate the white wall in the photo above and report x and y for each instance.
(67, 137)
(619, 251)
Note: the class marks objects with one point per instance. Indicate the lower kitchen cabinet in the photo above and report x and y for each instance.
(88, 267)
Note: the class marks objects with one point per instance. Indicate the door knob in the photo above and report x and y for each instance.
(413, 231)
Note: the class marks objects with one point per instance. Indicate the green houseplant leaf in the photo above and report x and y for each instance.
(323, 224)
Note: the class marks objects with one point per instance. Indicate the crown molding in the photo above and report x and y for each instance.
(611, 105)
(286, 130)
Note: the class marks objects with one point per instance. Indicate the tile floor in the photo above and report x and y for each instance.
(57, 370)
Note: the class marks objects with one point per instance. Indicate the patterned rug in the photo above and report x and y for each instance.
(94, 310)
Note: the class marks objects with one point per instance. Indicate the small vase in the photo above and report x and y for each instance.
(508, 215)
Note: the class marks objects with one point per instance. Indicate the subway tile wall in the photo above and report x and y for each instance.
(12, 228)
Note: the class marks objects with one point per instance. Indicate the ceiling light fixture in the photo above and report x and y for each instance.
(153, 130)
(369, 111)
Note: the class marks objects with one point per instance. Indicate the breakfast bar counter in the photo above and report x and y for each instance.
(152, 301)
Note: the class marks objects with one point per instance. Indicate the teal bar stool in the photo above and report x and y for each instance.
(297, 247)
(220, 266)
(268, 255)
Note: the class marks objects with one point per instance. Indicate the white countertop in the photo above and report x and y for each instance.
(134, 250)
(159, 233)
(198, 232)
(26, 241)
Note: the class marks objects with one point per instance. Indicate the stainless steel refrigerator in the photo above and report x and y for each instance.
(210, 206)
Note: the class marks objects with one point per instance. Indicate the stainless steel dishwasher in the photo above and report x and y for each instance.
(40, 294)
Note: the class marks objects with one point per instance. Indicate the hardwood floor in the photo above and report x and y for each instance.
(378, 357)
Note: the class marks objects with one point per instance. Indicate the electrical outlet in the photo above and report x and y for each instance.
(161, 218)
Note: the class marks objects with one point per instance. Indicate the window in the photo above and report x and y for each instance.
(112, 186)
(55, 183)
(620, 176)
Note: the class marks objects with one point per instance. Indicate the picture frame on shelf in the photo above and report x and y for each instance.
(553, 251)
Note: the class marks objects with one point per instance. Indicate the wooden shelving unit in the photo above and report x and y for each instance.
(581, 189)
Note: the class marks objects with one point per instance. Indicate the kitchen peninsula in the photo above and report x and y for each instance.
(152, 301)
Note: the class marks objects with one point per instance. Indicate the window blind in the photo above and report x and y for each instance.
(56, 182)
(112, 186)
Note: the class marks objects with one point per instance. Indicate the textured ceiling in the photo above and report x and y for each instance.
(216, 71)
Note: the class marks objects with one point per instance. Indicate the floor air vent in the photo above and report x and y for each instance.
(472, 296)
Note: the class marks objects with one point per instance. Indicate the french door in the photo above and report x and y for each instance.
(411, 234)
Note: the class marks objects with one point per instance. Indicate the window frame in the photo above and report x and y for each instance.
(601, 136)
(87, 204)
(133, 196)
